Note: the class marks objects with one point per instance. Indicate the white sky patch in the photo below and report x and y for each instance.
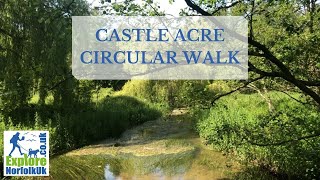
(170, 9)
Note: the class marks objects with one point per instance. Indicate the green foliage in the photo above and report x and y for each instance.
(37, 89)
(100, 94)
(171, 93)
(109, 119)
(294, 39)
(71, 129)
(242, 125)
(128, 8)
(35, 45)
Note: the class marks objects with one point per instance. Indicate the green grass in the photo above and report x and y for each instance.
(83, 125)
(240, 121)
(101, 94)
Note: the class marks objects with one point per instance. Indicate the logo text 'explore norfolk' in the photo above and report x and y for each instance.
(26, 153)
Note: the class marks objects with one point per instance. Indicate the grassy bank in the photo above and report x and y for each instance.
(82, 125)
(270, 139)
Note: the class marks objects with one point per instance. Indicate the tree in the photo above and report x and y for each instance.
(35, 45)
(283, 38)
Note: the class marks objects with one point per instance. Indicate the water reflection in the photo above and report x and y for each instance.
(157, 174)
(185, 165)
(108, 174)
(160, 167)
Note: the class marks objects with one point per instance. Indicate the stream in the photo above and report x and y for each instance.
(167, 148)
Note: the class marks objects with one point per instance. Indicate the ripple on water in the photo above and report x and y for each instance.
(148, 167)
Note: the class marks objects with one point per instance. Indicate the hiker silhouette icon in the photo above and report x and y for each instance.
(14, 141)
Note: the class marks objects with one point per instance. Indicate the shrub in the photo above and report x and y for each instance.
(73, 128)
(242, 125)
(170, 93)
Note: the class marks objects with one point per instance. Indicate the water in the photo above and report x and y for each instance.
(161, 166)
(108, 174)
(158, 174)
(155, 150)
(194, 163)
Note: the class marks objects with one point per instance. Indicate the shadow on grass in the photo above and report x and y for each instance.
(81, 124)
(259, 173)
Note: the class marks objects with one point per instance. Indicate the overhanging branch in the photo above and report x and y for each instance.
(285, 72)
(286, 141)
(237, 89)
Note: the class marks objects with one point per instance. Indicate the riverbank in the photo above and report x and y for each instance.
(164, 148)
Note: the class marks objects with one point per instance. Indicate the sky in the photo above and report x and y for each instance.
(172, 9)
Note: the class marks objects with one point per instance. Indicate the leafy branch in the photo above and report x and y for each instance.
(280, 143)
(284, 72)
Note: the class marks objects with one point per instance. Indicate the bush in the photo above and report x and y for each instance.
(111, 117)
(170, 93)
(242, 125)
(74, 128)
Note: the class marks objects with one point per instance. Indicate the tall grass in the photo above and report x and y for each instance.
(242, 125)
(85, 124)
